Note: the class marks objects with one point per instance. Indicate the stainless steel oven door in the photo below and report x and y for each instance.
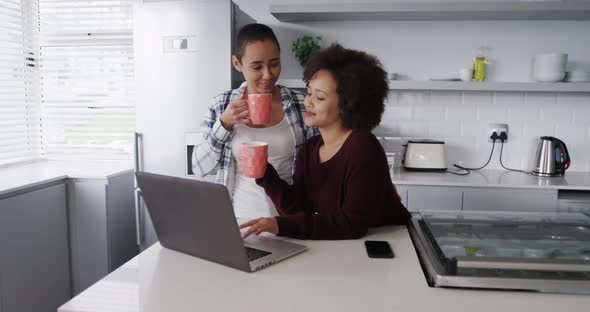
(520, 251)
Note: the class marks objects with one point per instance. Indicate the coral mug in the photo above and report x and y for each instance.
(253, 158)
(259, 108)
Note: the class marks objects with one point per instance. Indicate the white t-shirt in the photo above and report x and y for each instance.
(249, 200)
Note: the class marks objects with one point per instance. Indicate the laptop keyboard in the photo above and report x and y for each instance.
(254, 253)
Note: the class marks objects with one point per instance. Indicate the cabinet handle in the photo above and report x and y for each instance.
(138, 223)
(136, 150)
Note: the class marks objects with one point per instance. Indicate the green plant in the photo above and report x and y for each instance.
(304, 46)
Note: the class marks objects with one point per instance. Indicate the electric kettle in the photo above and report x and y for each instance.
(552, 158)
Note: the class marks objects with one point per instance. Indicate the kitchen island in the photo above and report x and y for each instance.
(330, 276)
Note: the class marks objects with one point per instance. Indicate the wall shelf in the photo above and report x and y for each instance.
(542, 10)
(580, 87)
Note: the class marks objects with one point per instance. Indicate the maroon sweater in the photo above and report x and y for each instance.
(340, 198)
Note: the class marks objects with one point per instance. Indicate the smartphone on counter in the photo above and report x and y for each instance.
(378, 249)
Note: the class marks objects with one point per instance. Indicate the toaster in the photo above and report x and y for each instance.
(425, 155)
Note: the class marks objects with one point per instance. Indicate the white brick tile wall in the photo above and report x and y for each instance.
(429, 111)
(410, 97)
(464, 128)
(493, 111)
(475, 128)
(557, 111)
(444, 129)
(398, 112)
(580, 104)
(538, 128)
(526, 110)
(570, 133)
(413, 129)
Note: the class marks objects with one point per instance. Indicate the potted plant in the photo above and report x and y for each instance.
(304, 46)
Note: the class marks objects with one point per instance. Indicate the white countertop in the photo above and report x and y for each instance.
(493, 178)
(23, 176)
(330, 276)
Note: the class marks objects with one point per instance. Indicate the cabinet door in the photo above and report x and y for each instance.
(34, 261)
(509, 199)
(88, 231)
(402, 190)
(121, 220)
(434, 198)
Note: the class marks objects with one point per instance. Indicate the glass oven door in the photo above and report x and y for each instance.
(506, 250)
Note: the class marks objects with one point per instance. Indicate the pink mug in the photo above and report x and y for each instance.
(259, 108)
(253, 158)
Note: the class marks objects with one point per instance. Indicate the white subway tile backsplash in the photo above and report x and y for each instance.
(410, 97)
(444, 128)
(419, 114)
(579, 104)
(445, 97)
(558, 111)
(579, 156)
(477, 98)
(413, 129)
(474, 128)
(515, 129)
(398, 112)
(458, 112)
(540, 98)
(509, 98)
(493, 114)
(538, 129)
(430, 111)
(572, 134)
(524, 111)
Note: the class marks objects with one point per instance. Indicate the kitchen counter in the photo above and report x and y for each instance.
(493, 178)
(24, 176)
(330, 276)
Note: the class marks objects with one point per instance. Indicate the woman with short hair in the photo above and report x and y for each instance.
(227, 123)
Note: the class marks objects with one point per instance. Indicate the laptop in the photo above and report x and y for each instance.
(197, 218)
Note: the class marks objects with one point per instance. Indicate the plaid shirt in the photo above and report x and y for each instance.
(214, 150)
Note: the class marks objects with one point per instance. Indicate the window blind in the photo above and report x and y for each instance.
(88, 111)
(19, 82)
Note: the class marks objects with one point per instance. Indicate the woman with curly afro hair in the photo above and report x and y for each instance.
(341, 184)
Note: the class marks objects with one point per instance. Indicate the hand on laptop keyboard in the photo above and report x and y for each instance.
(260, 225)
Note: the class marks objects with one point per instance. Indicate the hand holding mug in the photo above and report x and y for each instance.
(259, 106)
(253, 158)
(236, 112)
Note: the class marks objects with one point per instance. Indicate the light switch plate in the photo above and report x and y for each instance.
(179, 44)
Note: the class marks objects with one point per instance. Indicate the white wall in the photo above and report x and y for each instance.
(432, 49)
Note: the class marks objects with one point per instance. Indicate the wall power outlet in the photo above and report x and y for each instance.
(498, 128)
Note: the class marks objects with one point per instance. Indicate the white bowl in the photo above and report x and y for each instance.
(551, 58)
(548, 76)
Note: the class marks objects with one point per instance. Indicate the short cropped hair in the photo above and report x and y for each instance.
(362, 84)
(252, 33)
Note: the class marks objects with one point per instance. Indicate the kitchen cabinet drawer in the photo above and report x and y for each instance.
(508, 199)
(434, 198)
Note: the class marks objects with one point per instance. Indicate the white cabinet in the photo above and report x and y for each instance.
(420, 197)
(34, 261)
(434, 198)
(403, 193)
(102, 227)
(508, 199)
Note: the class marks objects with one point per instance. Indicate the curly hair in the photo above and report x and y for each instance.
(252, 33)
(362, 84)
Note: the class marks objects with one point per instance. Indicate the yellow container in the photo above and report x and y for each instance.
(479, 68)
